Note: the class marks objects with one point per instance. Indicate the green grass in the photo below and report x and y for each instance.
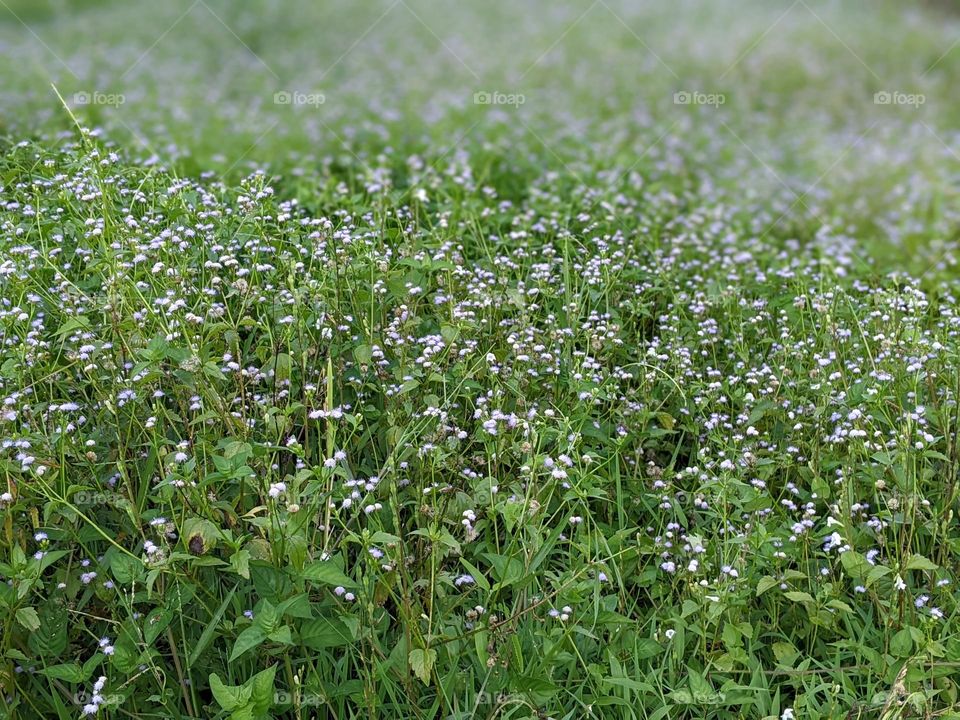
(398, 406)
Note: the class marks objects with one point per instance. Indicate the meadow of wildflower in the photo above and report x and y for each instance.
(406, 359)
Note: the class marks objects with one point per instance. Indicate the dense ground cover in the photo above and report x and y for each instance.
(388, 402)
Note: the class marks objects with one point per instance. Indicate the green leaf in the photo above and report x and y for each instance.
(68, 672)
(125, 568)
(421, 662)
(477, 575)
(919, 562)
(876, 572)
(297, 606)
(247, 640)
(240, 563)
(262, 689)
(229, 697)
(210, 629)
(701, 689)
(18, 558)
(646, 648)
(281, 635)
(199, 535)
(785, 652)
(50, 640)
(126, 648)
(839, 605)
(538, 686)
(636, 686)
(507, 570)
(326, 632)
(384, 538)
(92, 663)
(78, 322)
(902, 643)
(766, 582)
(28, 618)
(327, 572)
(363, 354)
(797, 596)
(267, 617)
(49, 558)
(156, 622)
(282, 366)
(854, 564)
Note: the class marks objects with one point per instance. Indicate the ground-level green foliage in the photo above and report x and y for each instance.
(419, 454)
(606, 403)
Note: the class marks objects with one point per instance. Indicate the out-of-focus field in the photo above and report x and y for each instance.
(798, 82)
